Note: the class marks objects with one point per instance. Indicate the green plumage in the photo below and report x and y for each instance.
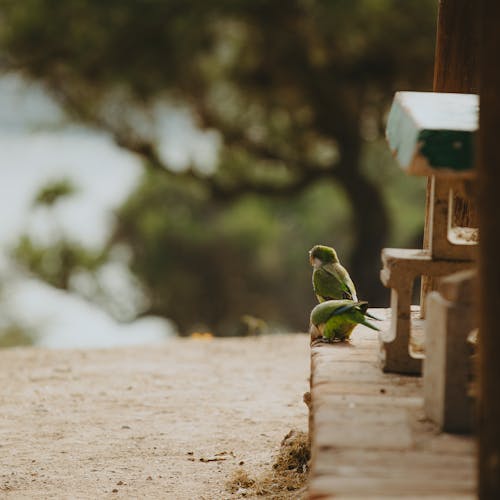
(335, 320)
(330, 279)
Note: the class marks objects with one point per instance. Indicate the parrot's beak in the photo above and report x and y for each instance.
(311, 259)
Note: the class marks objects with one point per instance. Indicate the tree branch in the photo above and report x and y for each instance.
(302, 171)
(303, 176)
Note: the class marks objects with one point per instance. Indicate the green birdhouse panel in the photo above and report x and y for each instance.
(434, 133)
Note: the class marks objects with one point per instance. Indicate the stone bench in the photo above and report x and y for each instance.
(433, 135)
(400, 269)
(430, 134)
(448, 368)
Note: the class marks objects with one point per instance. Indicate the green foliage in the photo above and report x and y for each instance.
(289, 78)
(54, 191)
(13, 332)
(298, 92)
(206, 265)
(57, 262)
(15, 335)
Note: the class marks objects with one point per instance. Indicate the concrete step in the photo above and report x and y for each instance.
(369, 436)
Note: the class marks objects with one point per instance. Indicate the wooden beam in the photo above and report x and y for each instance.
(489, 251)
(456, 61)
(455, 70)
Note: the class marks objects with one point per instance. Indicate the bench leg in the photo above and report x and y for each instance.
(447, 362)
(395, 344)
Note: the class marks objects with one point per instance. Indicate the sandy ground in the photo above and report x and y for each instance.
(169, 422)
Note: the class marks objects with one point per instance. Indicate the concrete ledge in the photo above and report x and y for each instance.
(369, 436)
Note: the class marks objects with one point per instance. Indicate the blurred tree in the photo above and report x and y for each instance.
(51, 193)
(13, 335)
(207, 265)
(295, 91)
(56, 262)
(13, 331)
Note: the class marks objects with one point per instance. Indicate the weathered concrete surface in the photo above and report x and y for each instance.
(400, 269)
(370, 438)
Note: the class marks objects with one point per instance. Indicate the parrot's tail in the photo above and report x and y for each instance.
(363, 306)
(369, 325)
(371, 316)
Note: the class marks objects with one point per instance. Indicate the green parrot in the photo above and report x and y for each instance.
(334, 320)
(331, 281)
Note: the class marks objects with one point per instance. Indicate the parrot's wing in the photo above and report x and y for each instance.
(325, 310)
(358, 313)
(347, 281)
(327, 285)
(342, 276)
(343, 309)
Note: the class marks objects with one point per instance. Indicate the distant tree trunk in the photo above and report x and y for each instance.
(370, 225)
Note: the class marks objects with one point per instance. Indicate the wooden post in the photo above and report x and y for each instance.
(456, 61)
(489, 253)
(455, 70)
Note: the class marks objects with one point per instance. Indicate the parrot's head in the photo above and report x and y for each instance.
(320, 255)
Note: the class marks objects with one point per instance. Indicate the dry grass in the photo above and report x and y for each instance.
(240, 482)
(287, 478)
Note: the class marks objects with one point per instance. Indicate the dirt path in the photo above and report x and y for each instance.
(169, 422)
